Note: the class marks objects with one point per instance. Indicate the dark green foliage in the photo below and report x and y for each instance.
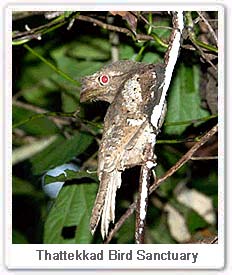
(52, 86)
(66, 149)
(75, 203)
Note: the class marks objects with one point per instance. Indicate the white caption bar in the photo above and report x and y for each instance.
(186, 256)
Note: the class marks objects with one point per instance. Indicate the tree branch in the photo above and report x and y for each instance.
(142, 203)
(114, 28)
(184, 159)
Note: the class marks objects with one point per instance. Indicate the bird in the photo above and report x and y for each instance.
(132, 90)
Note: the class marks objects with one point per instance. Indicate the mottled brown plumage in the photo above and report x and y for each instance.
(132, 89)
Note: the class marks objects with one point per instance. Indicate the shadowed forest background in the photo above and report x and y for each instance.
(51, 52)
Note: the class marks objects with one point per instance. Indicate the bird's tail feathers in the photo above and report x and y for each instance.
(104, 206)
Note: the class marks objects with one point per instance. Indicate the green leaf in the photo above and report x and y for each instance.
(126, 52)
(69, 103)
(39, 126)
(36, 84)
(23, 187)
(67, 13)
(195, 221)
(159, 233)
(126, 232)
(90, 48)
(37, 88)
(72, 209)
(65, 61)
(70, 175)
(165, 190)
(162, 34)
(93, 50)
(40, 93)
(59, 152)
(208, 183)
(33, 71)
(184, 101)
(150, 57)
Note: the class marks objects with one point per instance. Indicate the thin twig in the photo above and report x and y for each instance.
(185, 158)
(209, 27)
(151, 25)
(53, 67)
(204, 158)
(198, 44)
(121, 221)
(113, 28)
(156, 184)
(57, 120)
(35, 31)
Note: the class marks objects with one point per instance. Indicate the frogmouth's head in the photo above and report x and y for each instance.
(104, 84)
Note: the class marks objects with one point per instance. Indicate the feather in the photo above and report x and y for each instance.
(104, 206)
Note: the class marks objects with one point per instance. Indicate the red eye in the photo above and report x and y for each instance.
(104, 79)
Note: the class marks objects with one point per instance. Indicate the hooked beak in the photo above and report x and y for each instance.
(88, 94)
(90, 89)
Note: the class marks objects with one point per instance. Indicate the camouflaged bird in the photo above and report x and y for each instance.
(133, 89)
